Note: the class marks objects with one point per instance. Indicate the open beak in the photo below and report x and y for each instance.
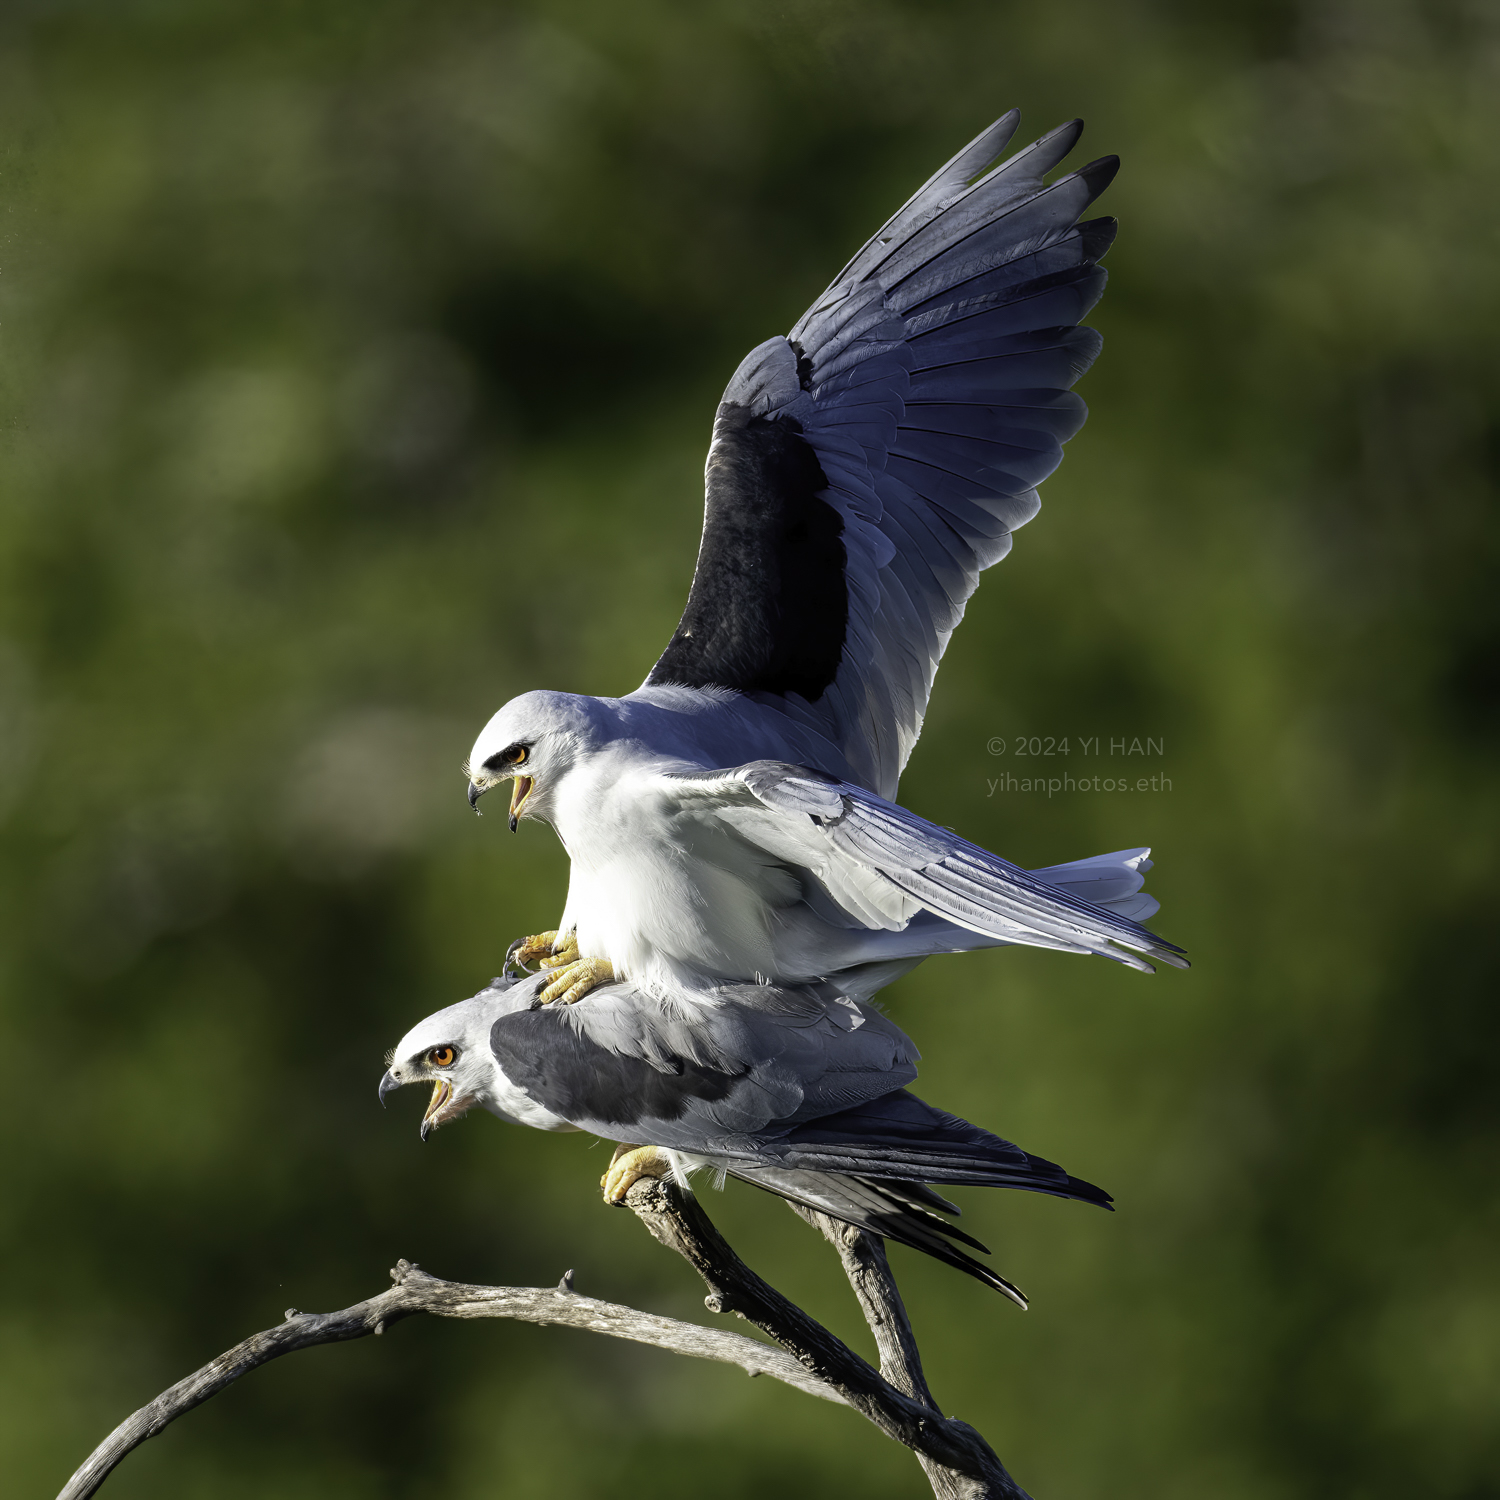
(389, 1082)
(442, 1091)
(518, 798)
(475, 793)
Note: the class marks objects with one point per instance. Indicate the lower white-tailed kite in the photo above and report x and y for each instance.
(798, 1090)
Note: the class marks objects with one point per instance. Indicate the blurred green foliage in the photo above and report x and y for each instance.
(358, 363)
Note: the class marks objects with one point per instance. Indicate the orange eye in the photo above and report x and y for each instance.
(519, 758)
(442, 1057)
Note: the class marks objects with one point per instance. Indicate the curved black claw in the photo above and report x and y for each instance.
(511, 961)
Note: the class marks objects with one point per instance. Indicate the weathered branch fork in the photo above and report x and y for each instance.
(959, 1464)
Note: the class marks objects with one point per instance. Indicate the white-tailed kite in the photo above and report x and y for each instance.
(800, 1091)
(732, 819)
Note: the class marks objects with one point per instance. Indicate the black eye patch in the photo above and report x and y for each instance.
(507, 757)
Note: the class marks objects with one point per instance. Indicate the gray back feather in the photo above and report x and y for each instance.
(698, 1068)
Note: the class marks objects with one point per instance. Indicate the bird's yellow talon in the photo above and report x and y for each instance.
(575, 980)
(628, 1165)
(564, 951)
(546, 948)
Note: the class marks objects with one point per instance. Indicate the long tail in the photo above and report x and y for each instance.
(871, 1166)
(894, 1210)
(1112, 881)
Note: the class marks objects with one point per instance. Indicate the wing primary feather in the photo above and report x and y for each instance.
(955, 325)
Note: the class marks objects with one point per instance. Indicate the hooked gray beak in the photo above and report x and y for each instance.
(475, 793)
(389, 1082)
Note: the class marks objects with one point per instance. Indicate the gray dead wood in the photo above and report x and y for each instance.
(959, 1463)
(869, 1273)
(417, 1292)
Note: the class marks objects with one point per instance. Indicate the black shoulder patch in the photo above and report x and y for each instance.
(769, 606)
(542, 1052)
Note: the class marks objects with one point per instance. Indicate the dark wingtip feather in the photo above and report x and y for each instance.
(1097, 236)
(902, 1229)
(1086, 1192)
(921, 1192)
(1056, 144)
(1040, 157)
(892, 1210)
(1098, 175)
(984, 150)
(917, 1201)
(1069, 131)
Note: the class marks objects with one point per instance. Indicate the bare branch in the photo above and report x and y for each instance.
(959, 1463)
(869, 1273)
(416, 1292)
(971, 1469)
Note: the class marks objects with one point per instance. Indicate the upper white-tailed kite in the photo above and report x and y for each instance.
(732, 819)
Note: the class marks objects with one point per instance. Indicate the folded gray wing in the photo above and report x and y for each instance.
(883, 864)
(691, 1072)
(867, 468)
(797, 1091)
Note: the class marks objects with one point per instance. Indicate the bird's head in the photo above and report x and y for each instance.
(535, 739)
(449, 1050)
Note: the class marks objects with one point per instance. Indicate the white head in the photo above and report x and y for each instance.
(536, 738)
(451, 1051)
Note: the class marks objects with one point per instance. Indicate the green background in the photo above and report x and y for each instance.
(358, 364)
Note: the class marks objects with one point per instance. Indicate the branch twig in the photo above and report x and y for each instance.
(966, 1464)
(869, 1273)
(416, 1292)
(959, 1463)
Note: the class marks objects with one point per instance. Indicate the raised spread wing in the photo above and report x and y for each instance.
(884, 865)
(868, 467)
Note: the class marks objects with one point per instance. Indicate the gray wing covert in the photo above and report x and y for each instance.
(867, 468)
(840, 830)
(689, 1074)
